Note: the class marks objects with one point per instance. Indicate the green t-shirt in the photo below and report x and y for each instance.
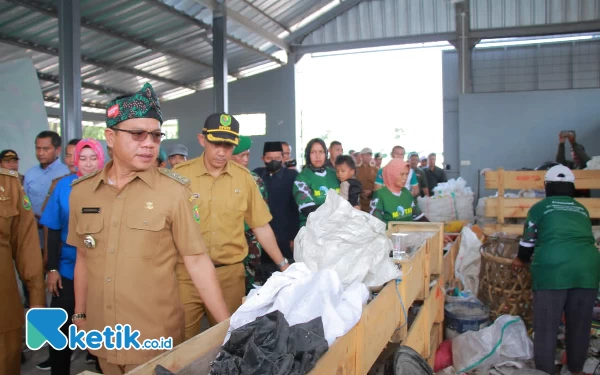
(387, 206)
(565, 256)
(310, 189)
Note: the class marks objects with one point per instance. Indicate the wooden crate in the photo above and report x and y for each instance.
(383, 320)
(502, 208)
(436, 243)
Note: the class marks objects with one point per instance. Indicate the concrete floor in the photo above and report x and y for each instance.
(33, 358)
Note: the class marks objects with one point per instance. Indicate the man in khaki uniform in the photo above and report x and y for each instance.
(227, 196)
(366, 173)
(130, 222)
(19, 243)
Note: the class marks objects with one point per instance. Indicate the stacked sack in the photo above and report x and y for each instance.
(451, 201)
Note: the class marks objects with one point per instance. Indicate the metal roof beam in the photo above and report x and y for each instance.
(54, 99)
(86, 85)
(538, 30)
(372, 43)
(207, 27)
(267, 16)
(297, 36)
(88, 60)
(52, 11)
(248, 24)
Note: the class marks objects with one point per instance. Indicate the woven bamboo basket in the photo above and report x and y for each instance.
(502, 288)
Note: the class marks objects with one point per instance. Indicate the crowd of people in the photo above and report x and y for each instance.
(146, 237)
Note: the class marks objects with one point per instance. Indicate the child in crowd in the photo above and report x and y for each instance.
(350, 188)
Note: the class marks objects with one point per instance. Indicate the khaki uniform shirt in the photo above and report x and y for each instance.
(225, 203)
(366, 174)
(138, 233)
(19, 243)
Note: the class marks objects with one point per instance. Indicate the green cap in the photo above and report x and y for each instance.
(244, 144)
(162, 155)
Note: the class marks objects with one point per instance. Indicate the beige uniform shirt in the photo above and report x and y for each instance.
(138, 233)
(19, 243)
(225, 203)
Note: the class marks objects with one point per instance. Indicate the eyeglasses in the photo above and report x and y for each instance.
(141, 135)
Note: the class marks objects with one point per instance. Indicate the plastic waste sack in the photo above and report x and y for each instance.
(269, 345)
(593, 163)
(504, 341)
(348, 241)
(452, 201)
(302, 296)
(468, 261)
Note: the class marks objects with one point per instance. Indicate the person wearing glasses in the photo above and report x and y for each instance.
(130, 222)
(228, 197)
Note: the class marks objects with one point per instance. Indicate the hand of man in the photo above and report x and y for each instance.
(53, 283)
(285, 267)
(80, 323)
(561, 137)
(517, 263)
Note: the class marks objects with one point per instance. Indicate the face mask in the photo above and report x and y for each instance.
(273, 166)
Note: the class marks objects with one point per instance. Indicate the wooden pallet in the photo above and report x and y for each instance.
(383, 320)
(502, 208)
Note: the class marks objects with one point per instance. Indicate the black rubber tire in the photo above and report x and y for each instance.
(409, 362)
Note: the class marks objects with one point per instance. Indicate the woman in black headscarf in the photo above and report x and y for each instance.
(315, 180)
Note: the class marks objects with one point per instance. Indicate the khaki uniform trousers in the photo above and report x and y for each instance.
(232, 279)
(10, 352)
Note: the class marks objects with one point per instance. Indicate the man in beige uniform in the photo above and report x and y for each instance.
(19, 243)
(130, 222)
(227, 196)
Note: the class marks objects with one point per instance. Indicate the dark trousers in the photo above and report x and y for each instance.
(548, 307)
(60, 360)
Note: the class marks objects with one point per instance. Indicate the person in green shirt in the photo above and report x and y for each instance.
(241, 155)
(394, 202)
(565, 270)
(315, 180)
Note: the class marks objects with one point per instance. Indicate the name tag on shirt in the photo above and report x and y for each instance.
(90, 210)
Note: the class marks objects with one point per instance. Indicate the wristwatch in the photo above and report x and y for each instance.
(78, 316)
(283, 263)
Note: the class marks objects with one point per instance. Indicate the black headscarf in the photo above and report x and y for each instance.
(559, 189)
(307, 162)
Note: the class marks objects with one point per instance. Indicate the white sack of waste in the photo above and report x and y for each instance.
(348, 241)
(505, 340)
(593, 163)
(302, 295)
(468, 261)
(453, 200)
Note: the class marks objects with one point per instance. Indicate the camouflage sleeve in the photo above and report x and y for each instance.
(376, 207)
(261, 186)
(302, 193)
(416, 211)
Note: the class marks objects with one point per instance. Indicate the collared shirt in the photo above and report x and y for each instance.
(283, 207)
(56, 217)
(38, 180)
(19, 245)
(137, 234)
(225, 202)
(434, 177)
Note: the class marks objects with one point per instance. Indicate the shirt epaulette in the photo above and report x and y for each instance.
(8, 172)
(58, 178)
(83, 178)
(175, 176)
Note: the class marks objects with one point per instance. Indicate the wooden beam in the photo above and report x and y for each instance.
(518, 207)
(518, 180)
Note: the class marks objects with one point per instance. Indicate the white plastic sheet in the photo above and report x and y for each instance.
(468, 261)
(593, 163)
(504, 341)
(348, 241)
(301, 296)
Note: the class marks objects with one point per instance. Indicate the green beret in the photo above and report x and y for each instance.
(142, 104)
(244, 144)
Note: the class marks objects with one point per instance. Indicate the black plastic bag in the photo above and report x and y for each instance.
(409, 362)
(269, 346)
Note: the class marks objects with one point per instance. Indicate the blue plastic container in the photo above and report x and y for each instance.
(461, 317)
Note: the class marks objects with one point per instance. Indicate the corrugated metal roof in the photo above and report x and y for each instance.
(125, 43)
(386, 19)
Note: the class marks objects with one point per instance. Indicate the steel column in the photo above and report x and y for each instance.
(69, 64)
(220, 57)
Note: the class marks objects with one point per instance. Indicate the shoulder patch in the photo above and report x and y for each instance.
(83, 178)
(8, 172)
(175, 176)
